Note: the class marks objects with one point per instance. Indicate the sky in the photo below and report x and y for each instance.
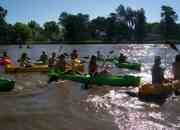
(47, 10)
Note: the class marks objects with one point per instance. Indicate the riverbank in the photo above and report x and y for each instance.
(90, 42)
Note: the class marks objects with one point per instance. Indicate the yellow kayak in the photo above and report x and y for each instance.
(33, 68)
(149, 90)
(41, 68)
(75, 67)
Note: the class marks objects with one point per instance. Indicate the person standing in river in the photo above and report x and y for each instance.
(157, 71)
(93, 67)
(176, 67)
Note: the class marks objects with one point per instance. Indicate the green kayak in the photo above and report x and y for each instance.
(112, 80)
(128, 65)
(6, 85)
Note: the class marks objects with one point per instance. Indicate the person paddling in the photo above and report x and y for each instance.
(157, 71)
(24, 60)
(43, 58)
(74, 55)
(61, 63)
(122, 58)
(52, 60)
(176, 67)
(5, 56)
(99, 55)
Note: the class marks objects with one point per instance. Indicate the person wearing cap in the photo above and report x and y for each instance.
(61, 63)
(176, 67)
(52, 60)
(157, 71)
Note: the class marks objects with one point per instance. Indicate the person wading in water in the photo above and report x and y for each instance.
(157, 71)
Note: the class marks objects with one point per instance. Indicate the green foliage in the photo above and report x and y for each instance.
(38, 33)
(123, 24)
(23, 32)
(140, 23)
(97, 27)
(75, 26)
(168, 23)
(3, 24)
(51, 30)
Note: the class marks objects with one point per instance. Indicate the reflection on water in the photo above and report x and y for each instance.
(64, 105)
(131, 114)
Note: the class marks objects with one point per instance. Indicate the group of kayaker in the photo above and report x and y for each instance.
(60, 62)
(53, 61)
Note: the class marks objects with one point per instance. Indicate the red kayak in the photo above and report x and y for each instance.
(5, 61)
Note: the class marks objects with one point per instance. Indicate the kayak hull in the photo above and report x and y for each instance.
(149, 91)
(111, 80)
(75, 67)
(5, 61)
(40, 68)
(6, 85)
(128, 65)
(34, 68)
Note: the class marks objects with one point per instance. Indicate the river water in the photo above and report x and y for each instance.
(64, 105)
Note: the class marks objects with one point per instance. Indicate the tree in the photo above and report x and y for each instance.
(23, 32)
(116, 30)
(98, 26)
(75, 26)
(131, 21)
(153, 28)
(140, 24)
(3, 24)
(52, 30)
(37, 32)
(168, 22)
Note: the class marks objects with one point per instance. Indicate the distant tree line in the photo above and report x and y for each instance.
(124, 24)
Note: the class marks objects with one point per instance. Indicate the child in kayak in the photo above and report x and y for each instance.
(61, 63)
(176, 68)
(43, 58)
(74, 55)
(52, 60)
(24, 60)
(122, 58)
(157, 71)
